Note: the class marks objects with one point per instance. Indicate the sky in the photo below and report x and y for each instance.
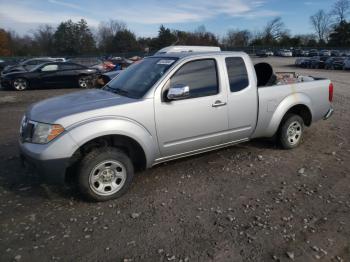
(144, 17)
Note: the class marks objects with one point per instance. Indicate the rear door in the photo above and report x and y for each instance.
(242, 100)
(68, 74)
(197, 122)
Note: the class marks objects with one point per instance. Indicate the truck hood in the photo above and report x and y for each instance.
(53, 109)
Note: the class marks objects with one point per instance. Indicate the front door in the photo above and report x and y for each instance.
(48, 75)
(198, 121)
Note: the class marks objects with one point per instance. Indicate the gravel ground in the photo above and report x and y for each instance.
(251, 202)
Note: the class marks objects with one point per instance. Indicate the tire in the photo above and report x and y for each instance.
(20, 84)
(291, 131)
(83, 81)
(104, 174)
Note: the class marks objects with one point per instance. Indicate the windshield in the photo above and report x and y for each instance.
(139, 78)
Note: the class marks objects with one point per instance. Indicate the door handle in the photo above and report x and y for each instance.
(218, 103)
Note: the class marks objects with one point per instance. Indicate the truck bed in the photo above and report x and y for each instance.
(275, 101)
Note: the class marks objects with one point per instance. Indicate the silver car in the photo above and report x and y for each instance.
(168, 106)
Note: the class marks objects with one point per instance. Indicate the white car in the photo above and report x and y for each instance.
(285, 53)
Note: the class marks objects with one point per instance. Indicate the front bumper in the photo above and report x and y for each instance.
(51, 171)
(5, 82)
(329, 114)
(49, 160)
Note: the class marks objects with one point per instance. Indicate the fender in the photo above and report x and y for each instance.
(92, 128)
(286, 104)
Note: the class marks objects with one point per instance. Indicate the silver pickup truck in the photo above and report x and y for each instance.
(173, 104)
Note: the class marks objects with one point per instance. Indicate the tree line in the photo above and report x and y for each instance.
(69, 38)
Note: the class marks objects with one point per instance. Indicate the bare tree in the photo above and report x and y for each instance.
(341, 10)
(321, 22)
(237, 38)
(106, 32)
(274, 29)
(43, 37)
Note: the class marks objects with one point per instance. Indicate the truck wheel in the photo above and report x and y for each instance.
(105, 173)
(291, 131)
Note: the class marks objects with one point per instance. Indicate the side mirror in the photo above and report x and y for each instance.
(179, 91)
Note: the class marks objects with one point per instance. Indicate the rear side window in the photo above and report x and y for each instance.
(48, 68)
(237, 73)
(200, 76)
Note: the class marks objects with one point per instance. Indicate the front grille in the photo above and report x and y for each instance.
(27, 131)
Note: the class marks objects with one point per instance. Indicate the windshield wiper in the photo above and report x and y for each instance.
(108, 88)
(118, 91)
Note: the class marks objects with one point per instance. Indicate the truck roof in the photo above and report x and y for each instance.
(193, 54)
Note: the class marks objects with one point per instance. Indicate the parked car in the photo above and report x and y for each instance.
(104, 78)
(324, 53)
(335, 63)
(300, 61)
(92, 62)
(158, 110)
(313, 52)
(346, 64)
(335, 53)
(121, 63)
(345, 53)
(300, 53)
(285, 53)
(262, 53)
(29, 64)
(318, 62)
(305, 63)
(53, 74)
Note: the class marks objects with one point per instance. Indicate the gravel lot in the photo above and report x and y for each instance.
(251, 202)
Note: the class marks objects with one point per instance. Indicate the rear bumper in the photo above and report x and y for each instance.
(329, 114)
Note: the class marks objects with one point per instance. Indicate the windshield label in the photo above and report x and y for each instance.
(165, 62)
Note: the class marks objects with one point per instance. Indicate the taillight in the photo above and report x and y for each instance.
(330, 94)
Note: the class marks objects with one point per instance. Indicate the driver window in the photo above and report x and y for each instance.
(49, 68)
(200, 76)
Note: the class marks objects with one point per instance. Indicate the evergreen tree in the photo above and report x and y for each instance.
(125, 41)
(73, 38)
(341, 35)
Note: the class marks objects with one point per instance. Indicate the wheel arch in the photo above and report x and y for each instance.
(130, 137)
(297, 103)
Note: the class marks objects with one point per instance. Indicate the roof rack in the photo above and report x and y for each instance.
(188, 48)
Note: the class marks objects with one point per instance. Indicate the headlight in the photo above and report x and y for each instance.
(44, 133)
